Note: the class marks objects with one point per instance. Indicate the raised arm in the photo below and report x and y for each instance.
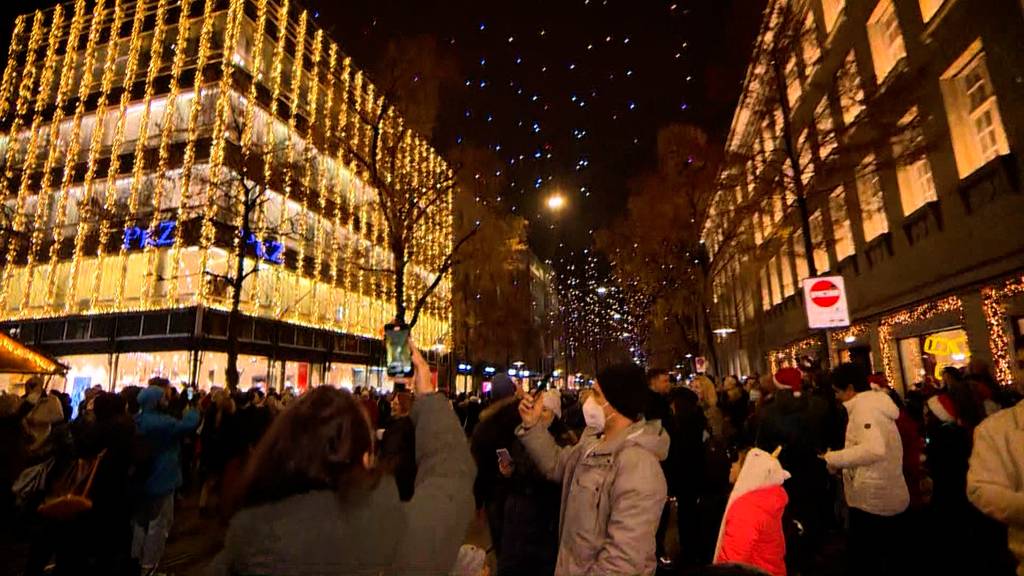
(547, 455)
(442, 505)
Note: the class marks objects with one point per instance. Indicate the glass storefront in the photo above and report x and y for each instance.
(925, 356)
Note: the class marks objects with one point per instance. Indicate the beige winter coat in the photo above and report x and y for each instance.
(995, 480)
(613, 494)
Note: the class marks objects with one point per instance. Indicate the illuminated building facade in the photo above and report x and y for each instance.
(929, 246)
(135, 134)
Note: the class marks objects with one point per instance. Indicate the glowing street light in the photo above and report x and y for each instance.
(556, 202)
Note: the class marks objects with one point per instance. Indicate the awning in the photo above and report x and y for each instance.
(16, 358)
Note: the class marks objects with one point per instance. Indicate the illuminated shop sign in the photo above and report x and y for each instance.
(137, 237)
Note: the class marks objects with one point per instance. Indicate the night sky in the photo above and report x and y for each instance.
(569, 94)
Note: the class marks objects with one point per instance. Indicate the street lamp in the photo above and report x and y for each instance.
(556, 202)
(723, 331)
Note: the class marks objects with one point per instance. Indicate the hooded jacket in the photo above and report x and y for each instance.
(613, 494)
(872, 461)
(751, 532)
(162, 435)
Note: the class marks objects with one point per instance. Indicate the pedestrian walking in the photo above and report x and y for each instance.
(613, 489)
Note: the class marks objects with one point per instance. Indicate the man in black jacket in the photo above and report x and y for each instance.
(657, 407)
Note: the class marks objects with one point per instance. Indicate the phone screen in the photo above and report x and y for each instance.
(504, 456)
(396, 345)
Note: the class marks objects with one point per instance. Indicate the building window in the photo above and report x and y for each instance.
(806, 161)
(886, 39)
(758, 229)
(766, 292)
(851, 93)
(929, 8)
(809, 40)
(800, 256)
(917, 186)
(872, 202)
(818, 242)
(831, 10)
(826, 127)
(974, 120)
(793, 89)
(788, 286)
(773, 277)
(842, 232)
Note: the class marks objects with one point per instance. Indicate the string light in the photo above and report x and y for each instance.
(7, 84)
(906, 317)
(335, 97)
(74, 148)
(42, 99)
(188, 161)
(95, 148)
(142, 139)
(150, 253)
(43, 196)
(993, 301)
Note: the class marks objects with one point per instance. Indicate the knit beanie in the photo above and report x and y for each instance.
(625, 388)
(502, 386)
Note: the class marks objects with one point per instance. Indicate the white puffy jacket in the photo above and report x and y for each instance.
(872, 461)
(995, 481)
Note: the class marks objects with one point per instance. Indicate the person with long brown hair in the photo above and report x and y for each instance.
(312, 500)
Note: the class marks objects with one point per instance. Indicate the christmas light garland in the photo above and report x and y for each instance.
(345, 219)
(993, 301)
(906, 317)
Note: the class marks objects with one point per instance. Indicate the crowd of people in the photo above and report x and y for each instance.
(639, 473)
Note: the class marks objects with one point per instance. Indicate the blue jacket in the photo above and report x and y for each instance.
(163, 435)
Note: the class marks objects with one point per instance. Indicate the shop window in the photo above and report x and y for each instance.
(924, 357)
(872, 202)
(831, 9)
(929, 8)
(842, 231)
(975, 123)
(818, 242)
(851, 91)
(885, 38)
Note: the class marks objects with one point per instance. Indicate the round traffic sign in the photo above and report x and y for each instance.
(825, 294)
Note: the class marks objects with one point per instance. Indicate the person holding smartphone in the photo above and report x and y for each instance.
(613, 488)
(313, 500)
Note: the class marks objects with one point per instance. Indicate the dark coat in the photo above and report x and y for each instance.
(398, 452)
(367, 531)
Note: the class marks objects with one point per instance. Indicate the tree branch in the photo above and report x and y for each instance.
(449, 261)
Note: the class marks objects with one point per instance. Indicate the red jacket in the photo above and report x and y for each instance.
(752, 531)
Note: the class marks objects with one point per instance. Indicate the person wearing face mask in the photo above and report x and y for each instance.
(613, 488)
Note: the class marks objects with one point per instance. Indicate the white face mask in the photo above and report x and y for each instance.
(593, 414)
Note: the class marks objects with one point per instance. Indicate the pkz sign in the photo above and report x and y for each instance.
(137, 237)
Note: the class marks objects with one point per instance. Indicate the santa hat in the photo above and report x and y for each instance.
(942, 406)
(789, 379)
(878, 381)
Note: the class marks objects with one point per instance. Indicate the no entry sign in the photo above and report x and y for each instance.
(825, 302)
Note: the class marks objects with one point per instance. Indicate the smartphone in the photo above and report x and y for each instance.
(397, 350)
(504, 456)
